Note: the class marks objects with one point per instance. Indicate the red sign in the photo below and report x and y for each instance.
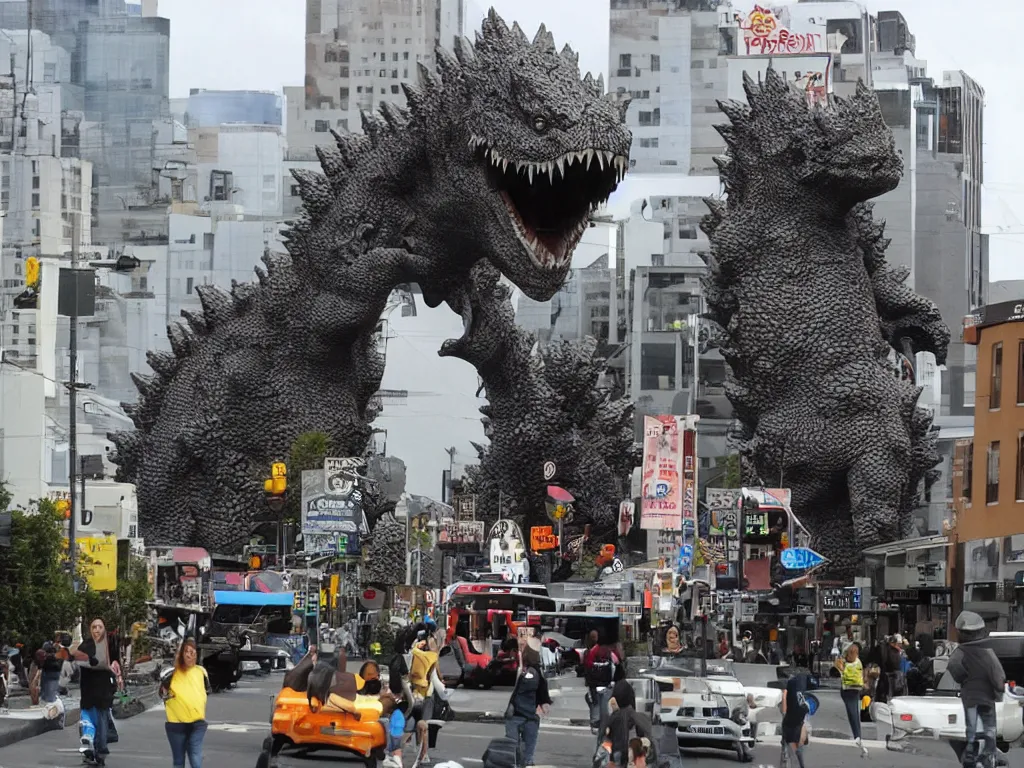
(370, 594)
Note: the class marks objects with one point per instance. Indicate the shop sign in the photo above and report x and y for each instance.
(601, 607)
(543, 538)
(842, 599)
(901, 595)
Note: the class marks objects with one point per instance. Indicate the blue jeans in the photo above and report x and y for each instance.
(985, 716)
(525, 730)
(99, 741)
(598, 704)
(186, 739)
(852, 700)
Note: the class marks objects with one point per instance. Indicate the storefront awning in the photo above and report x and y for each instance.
(908, 545)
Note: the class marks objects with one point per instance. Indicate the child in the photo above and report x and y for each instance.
(394, 716)
(638, 753)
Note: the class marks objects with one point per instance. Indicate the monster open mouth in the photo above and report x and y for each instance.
(549, 203)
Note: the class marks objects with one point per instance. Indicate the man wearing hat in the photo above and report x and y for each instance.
(981, 679)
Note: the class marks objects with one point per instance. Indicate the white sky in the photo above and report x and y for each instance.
(259, 44)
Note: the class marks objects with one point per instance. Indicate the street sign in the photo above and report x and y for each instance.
(800, 558)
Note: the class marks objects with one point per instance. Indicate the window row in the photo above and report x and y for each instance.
(992, 461)
(995, 396)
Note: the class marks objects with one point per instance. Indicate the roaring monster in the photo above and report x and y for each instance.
(809, 313)
(501, 156)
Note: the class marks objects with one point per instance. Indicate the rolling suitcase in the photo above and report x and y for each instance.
(502, 753)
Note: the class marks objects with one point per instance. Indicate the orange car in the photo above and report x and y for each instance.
(350, 724)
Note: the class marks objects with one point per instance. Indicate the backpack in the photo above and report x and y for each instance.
(598, 667)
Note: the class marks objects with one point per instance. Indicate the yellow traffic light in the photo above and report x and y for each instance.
(278, 469)
(32, 272)
(276, 486)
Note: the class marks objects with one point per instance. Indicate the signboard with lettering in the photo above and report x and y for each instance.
(601, 607)
(800, 558)
(543, 538)
(465, 508)
(327, 513)
(841, 599)
(901, 595)
(460, 532)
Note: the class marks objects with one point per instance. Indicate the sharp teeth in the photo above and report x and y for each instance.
(550, 167)
(560, 164)
(504, 165)
(600, 160)
(610, 157)
(529, 173)
(589, 154)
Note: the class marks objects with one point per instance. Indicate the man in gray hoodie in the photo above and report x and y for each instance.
(981, 678)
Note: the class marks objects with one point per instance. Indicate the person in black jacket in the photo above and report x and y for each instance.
(100, 676)
(530, 699)
(618, 726)
(981, 679)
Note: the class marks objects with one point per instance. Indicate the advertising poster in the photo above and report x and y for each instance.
(460, 532)
(689, 513)
(809, 75)
(324, 512)
(100, 570)
(661, 502)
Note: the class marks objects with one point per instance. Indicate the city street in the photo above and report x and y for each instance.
(238, 724)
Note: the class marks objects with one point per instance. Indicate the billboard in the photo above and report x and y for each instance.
(808, 74)
(661, 500)
(324, 512)
(460, 532)
(100, 567)
(767, 32)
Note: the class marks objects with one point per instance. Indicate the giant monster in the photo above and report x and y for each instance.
(499, 160)
(809, 316)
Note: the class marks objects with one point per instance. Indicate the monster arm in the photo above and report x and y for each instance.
(907, 316)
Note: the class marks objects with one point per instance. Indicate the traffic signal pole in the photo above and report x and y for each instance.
(73, 440)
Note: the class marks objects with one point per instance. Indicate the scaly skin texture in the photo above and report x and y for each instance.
(809, 314)
(501, 158)
(544, 403)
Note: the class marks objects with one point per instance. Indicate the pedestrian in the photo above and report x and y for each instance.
(529, 701)
(851, 671)
(619, 726)
(598, 673)
(184, 698)
(794, 716)
(100, 677)
(982, 679)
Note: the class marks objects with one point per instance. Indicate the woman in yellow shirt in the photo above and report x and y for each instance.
(185, 702)
(851, 668)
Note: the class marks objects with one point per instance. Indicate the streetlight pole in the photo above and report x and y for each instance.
(451, 474)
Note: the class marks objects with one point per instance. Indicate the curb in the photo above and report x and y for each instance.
(29, 728)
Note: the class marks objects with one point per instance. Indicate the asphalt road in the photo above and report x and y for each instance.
(238, 723)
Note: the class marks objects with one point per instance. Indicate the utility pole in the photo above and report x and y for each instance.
(451, 474)
(73, 403)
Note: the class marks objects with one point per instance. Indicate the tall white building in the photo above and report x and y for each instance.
(357, 56)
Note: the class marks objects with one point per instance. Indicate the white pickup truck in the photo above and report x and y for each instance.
(940, 715)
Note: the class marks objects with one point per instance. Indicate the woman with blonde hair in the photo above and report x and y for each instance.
(851, 671)
(184, 693)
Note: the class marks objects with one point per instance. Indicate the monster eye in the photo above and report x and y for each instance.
(540, 124)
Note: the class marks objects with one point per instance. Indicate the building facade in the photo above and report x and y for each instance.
(358, 55)
(988, 559)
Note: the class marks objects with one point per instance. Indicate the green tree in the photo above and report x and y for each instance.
(307, 452)
(36, 594)
(126, 605)
(731, 477)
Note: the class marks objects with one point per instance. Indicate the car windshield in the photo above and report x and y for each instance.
(679, 666)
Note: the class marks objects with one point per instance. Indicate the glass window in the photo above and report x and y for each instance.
(658, 366)
(992, 474)
(995, 398)
(968, 472)
(625, 60)
(1020, 466)
(1020, 373)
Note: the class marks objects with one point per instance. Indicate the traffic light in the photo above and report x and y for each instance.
(276, 486)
